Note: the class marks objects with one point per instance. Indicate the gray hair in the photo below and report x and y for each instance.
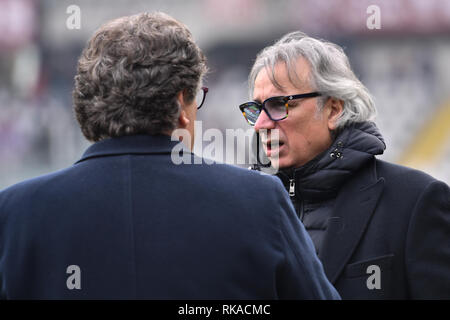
(330, 74)
(130, 73)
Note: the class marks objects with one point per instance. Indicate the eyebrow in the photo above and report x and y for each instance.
(283, 94)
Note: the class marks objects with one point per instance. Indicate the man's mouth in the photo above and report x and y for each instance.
(271, 146)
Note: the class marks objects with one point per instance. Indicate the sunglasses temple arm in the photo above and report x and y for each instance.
(258, 165)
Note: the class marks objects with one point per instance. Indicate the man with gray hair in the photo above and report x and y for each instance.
(382, 231)
(125, 221)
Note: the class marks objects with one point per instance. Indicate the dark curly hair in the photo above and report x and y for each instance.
(129, 75)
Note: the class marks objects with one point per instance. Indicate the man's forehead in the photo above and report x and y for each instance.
(284, 77)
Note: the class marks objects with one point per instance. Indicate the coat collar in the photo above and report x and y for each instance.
(354, 207)
(323, 177)
(135, 144)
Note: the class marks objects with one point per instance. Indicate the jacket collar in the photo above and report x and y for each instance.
(134, 144)
(323, 177)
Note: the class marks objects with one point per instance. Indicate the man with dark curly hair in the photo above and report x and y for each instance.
(125, 221)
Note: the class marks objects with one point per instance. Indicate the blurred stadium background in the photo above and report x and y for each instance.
(405, 65)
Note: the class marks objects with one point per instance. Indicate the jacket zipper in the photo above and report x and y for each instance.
(297, 199)
(291, 188)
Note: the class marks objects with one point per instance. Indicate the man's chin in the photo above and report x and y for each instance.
(277, 157)
(278, 162)
(281, 162)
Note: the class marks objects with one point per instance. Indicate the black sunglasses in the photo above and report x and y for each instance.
(275, 107)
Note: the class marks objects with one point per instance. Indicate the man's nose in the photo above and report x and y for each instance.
(264, 122)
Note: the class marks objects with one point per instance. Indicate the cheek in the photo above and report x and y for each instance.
(295, 141)
(306, 137)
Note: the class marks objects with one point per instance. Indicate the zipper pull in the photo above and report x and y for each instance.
(291, 187)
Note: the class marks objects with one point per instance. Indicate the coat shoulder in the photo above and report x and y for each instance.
(24, 192)
(402, 176)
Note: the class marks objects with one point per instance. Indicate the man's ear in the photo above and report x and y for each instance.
(183, 119)
(334, 109)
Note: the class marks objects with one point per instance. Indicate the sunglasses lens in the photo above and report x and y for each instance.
(251, 112)
(276, 107)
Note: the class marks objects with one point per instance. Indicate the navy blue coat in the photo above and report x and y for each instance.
(136, 225)
(397, 219)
